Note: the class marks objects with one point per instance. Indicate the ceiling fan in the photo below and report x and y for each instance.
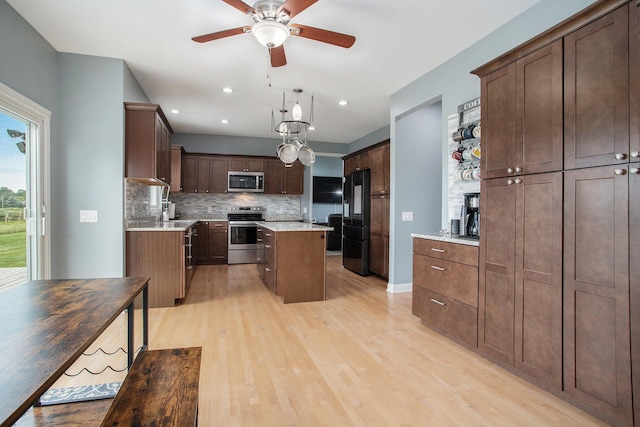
(271, 27)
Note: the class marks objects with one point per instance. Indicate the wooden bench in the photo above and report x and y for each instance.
(161, 388)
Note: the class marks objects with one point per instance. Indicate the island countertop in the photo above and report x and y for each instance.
(292, 226)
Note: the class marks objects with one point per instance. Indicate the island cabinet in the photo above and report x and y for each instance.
(445, 287)
(283, 179)
(204, 173)
(245, 164)
(147, 142)
(294, 261)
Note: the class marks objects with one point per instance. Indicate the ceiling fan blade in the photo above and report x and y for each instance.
(325, 36)
(294, 7)
(278, 58)
(218, 35)
(240, 5)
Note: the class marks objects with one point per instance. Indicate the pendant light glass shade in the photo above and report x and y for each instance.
(270, 33)
(296, 112)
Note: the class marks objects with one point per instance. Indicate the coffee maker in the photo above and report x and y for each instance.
(471, 216)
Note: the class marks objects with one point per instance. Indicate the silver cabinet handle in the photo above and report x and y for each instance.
(509, 181)
(438, 268)
(635, 154)
(518, 169)
(268, 235)
(621, 156)
(258, 240)
(509, 170)
(620, 171)
(517, 181)
(634, 171)
(438, 250)
(267, 269)
(437, 302)
(267, 246)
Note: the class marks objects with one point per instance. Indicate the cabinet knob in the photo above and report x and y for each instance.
(634, 171)
(621, 156)
(517, 181)
(635, 154)
(518, 169)
(509, 170)
(620, 171)
(509, 181)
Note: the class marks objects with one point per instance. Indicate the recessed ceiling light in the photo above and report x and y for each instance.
(224, 121)
(174, 111)
(343, 102)
(227, 90)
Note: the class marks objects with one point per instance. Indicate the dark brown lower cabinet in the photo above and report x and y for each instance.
(211, 244)
(379, 236)
(634, 281)
(520, 282)
(597, 340)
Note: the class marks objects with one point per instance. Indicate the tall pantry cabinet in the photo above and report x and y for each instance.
(559, 287)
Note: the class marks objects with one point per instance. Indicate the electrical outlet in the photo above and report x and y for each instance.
(407, 216)
(88, 216)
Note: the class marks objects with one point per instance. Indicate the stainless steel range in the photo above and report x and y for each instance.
(243, 243)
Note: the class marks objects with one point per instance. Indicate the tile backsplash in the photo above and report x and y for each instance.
(145, 202)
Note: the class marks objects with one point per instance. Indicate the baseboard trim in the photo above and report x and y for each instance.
(399, 287)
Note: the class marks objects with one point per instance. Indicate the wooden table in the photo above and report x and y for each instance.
(45, 325)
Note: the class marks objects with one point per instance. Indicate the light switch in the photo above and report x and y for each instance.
(407, 216)
(88, 216)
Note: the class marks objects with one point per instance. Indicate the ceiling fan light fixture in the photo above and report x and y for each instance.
(270, 33)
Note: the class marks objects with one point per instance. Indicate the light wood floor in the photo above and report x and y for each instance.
(358, 359)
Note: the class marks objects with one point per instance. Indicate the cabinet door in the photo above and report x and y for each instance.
(379, 159)
(349, 165)
(293, 179)
(596, 291)
(596, 88)
(255, 164)
(538, 277)
(498, 107)
(539, 107)
(218, 178)
(201, 252)
(203, 175)
(634, 272)
(237, 164)
(163, 153)
(176, 168)
(273, 173)
(496, 279)
(190, 173)
(634, 82)
(362, 161)
(218, 242)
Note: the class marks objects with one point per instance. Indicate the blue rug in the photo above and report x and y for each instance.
(79, 393)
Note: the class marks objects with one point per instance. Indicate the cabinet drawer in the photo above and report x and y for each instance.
(270, 276)
(218, 225)
(453, 280)
(446, 316)
(455, 252)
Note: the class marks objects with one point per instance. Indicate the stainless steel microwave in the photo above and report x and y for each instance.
(246, 182)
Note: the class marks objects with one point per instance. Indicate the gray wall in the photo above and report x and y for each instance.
(452, 84)
(373, 138)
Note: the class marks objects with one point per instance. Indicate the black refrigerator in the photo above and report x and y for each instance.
(356, 220)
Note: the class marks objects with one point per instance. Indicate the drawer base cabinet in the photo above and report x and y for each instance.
(445, 289)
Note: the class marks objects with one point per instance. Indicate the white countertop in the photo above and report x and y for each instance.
(172, 225)
(293, 226)
(459, 240)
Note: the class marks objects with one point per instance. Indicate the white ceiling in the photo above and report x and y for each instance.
(396, 42)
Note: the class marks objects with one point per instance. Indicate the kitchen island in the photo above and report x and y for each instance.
(294, 261)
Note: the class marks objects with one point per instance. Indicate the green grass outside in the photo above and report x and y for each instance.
(13, 244)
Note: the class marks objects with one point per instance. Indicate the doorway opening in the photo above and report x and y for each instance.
(24, 253)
